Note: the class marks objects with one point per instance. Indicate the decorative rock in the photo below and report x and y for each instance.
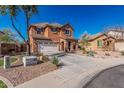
(6, 62)
(29, 60)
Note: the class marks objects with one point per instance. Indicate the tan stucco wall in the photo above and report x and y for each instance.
(119, 46)
(93, 44)
(33, 44)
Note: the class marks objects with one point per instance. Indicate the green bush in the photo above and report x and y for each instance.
(91, 53)
(84, 50)
(122, 53)
(1, 62)
(13, 59)
(45, 58)
(2, 84)
(55, 61)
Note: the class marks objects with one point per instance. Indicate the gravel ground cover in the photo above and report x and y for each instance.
(18, 74)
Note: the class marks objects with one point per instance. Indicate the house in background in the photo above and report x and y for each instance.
(101, 42)
(119, 35)
(111, 40)
(8, 48)
(45, 37)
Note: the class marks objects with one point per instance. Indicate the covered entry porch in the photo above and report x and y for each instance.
(68, 45)
(109, 44)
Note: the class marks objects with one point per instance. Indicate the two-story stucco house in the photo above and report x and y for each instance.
(45, 37)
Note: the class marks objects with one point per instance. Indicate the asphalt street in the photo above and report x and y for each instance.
(111, 78)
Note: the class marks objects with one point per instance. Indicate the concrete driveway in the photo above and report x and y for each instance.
(75, 73)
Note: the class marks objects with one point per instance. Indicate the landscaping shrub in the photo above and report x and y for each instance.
(107, 54)
(1, 62)
(91, 53)
(55, 61)
(83, 50)
(45, 58)
(122, 53)
(13, 59)
(2, 84)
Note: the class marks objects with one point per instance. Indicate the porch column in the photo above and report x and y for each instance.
(72, 46)
(65, 45)
(59, 46)
(76, 46)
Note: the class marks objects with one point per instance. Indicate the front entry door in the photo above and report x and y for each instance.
(69, 45)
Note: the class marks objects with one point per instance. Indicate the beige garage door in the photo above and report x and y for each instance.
(119, 46)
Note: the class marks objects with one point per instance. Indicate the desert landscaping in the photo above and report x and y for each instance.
(37, 53)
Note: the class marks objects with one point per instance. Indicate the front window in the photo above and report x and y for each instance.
(54, 30)
(39, 30)
(99, 43)
(67, 32)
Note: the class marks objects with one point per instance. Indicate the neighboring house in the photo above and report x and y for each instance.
(53, 37)
(8, 48)
(111, 40)
(119, 35)
(101, 42)
(23, 47)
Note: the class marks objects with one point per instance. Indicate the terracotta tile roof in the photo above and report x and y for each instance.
(72, 39)
(94, 36)
(43, 25)
(116, 36)
(40, 37)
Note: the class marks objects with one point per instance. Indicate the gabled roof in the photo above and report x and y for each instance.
(54, 25)
(118, 37)
(94, 37)
(36, 36)
(43, 25)
(67, 25)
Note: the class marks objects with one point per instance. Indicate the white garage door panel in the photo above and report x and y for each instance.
(119, 46)
(47, 47)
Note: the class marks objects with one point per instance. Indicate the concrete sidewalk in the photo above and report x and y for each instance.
(76, 72)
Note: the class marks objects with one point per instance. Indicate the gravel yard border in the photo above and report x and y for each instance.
(18, 74)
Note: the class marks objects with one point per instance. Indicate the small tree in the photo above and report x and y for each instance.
(55, 61)
(84, 42)
(13, 11)
(8, 36)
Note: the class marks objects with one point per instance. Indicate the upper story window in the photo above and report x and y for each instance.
(39, 30)
(53, 29)
(67, 32)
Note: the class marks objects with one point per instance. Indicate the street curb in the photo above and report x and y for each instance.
(7, 82)
(98, 74)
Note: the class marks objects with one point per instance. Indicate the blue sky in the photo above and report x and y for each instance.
(92, 19)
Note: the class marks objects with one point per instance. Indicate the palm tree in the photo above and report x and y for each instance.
(13, 11)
